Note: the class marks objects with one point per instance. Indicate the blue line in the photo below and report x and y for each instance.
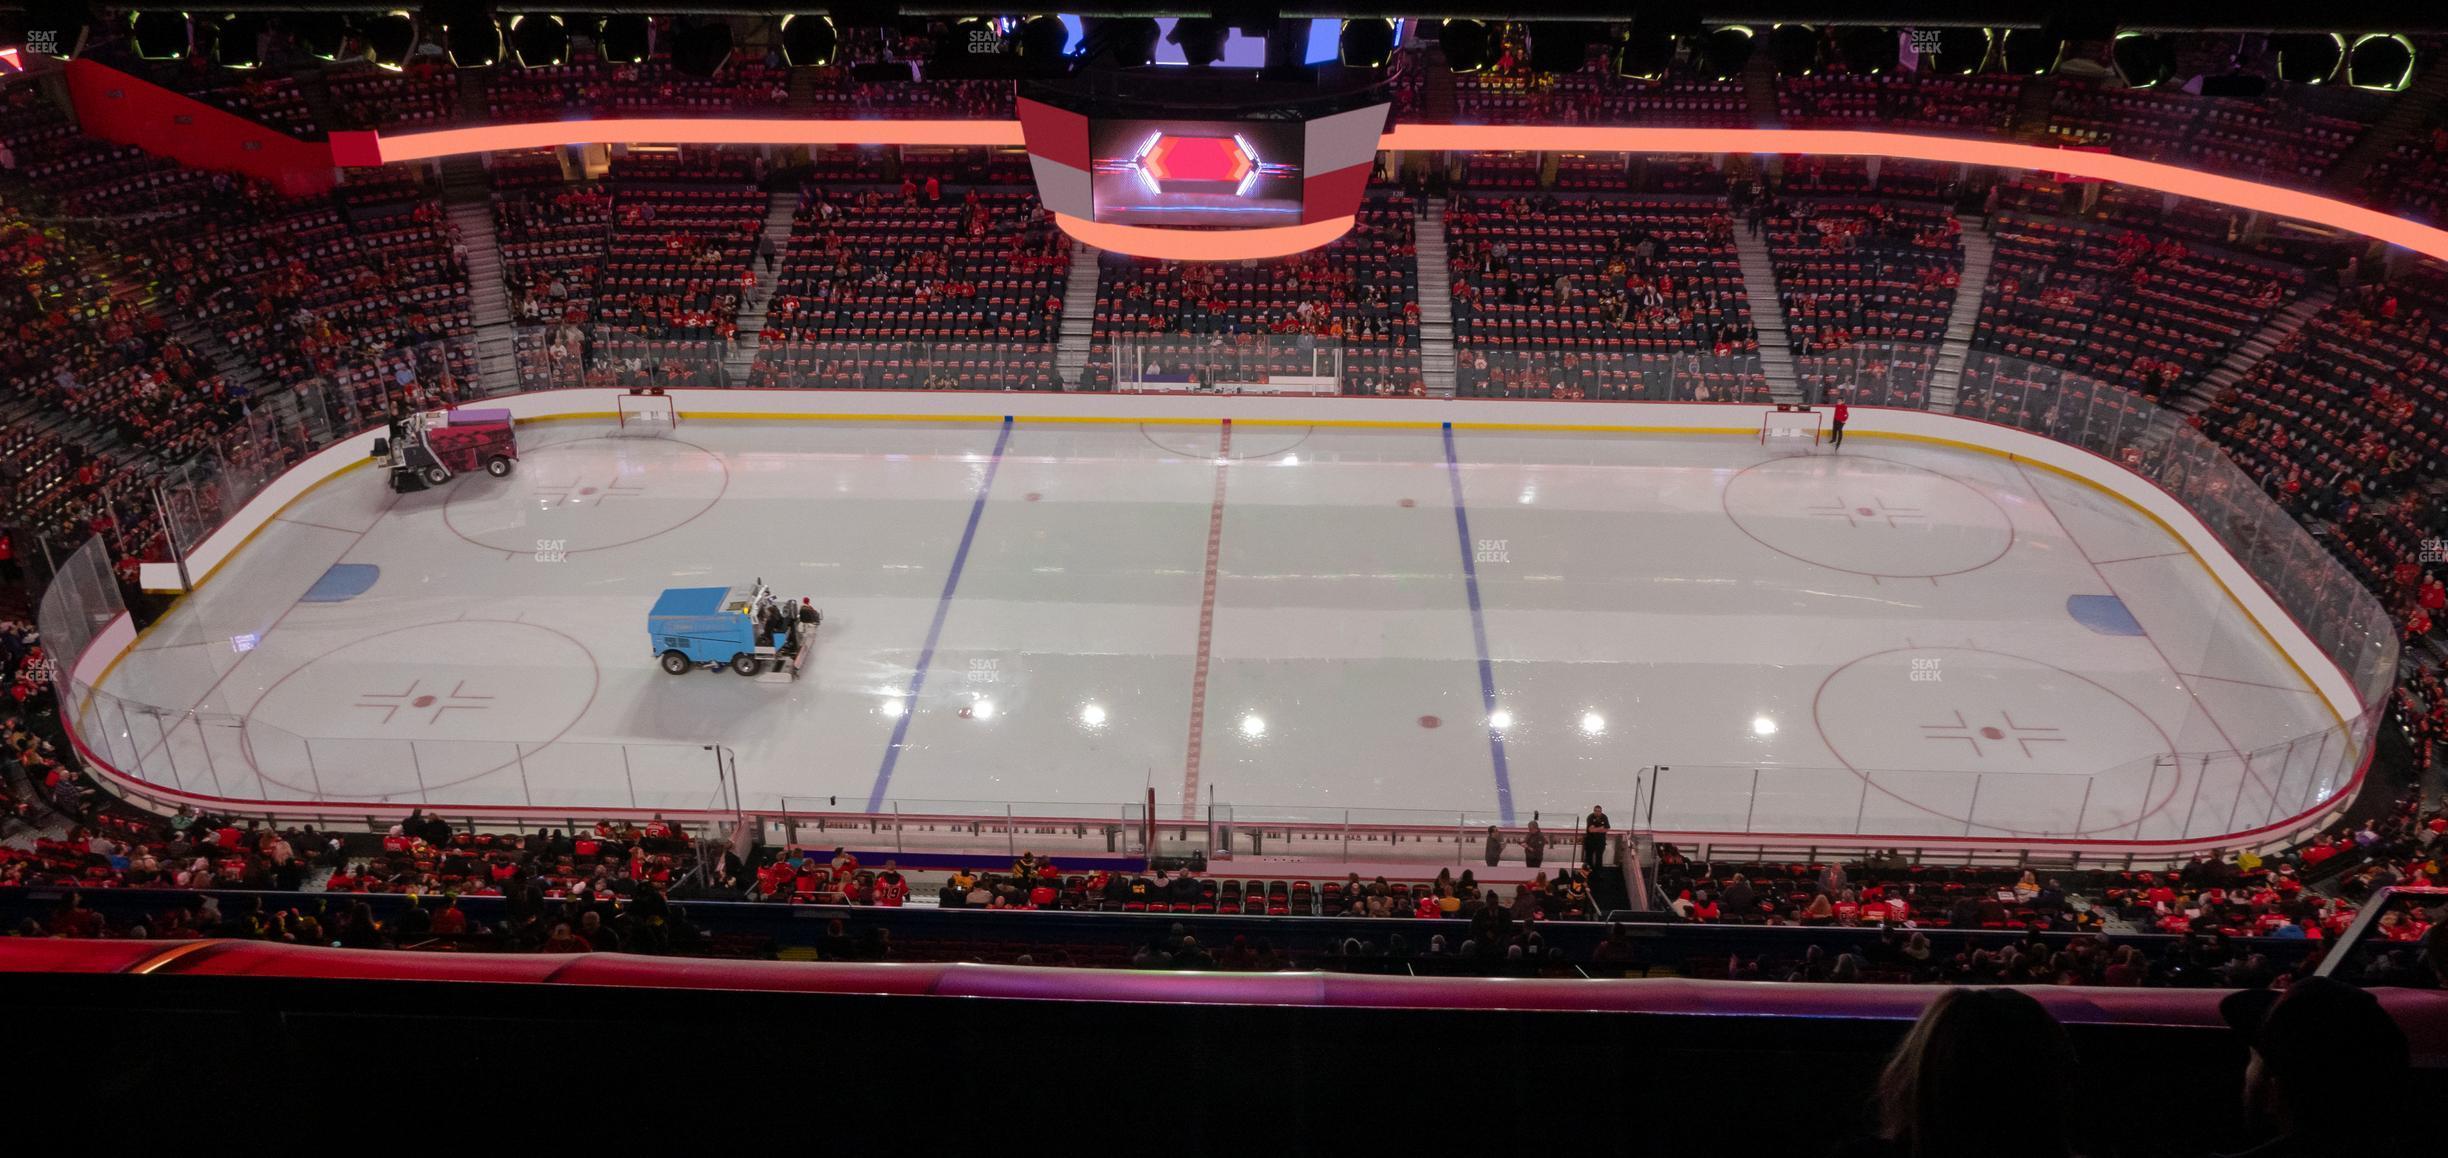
(943, 607)
(1487, 667)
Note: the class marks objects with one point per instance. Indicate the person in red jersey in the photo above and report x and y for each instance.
(1836, 421)
(890, 888)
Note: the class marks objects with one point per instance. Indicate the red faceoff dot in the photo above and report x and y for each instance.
(1865, 511)
(1410, 502)
(1033, 496)
(586, 490)
(1993, 734)
(1428, 721)
(424, 701)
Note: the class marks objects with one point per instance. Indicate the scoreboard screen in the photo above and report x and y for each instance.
(1234, 174)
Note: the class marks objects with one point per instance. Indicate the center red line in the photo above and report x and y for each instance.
(1206, 630)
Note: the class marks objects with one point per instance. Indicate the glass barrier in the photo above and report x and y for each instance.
(2346, 620)
(980, 827)
(1603, 369)
(1239, 364)
(359, 389)
(237, 758)
(572, 355)
(1894, 374)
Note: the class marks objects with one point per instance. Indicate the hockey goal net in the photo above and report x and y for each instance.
(1789, 425)
(648, 412)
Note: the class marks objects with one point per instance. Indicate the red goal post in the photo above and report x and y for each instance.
(1789, 421)
(647, 409)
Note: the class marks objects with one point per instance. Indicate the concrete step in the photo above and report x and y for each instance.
(1075, 338)
(1963, 318)
(1437, 366)
(2251, 351)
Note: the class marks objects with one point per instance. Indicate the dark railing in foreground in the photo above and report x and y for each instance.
(1301, 940)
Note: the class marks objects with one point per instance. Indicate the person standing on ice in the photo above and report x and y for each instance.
(1836, 422)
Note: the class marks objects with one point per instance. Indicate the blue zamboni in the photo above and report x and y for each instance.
(743, 628)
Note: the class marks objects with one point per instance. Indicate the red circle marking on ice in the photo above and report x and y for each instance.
(1428, 721)
(1033, 496)
(591, 490)
(1992, 734)
(469, 495)
(1410, 502)
(964, 713)
(594, 670)
(2002, 526)
(424, 701)
(1865, 511)
(1819, 723)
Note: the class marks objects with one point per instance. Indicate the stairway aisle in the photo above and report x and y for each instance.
(1077, 337)
(1767, 317)
(2250, 351)
(1956, 351)
(2408, 113)
(1760, 91)
(488, 301)
(474, 107)
(780, 211)
(1436, 302)
(314, 87)
(2032, 111)
(471, 212)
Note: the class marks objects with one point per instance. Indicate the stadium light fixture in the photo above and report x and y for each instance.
(1960, 51)
(1200, 38)
(809, 40)
(1726, 51)
(1643, 54)
(1795, 48)
(324, 34)
(237, 39)
(539, 39)
(1470, 45)
(1561, 46)
(622, 39)
(390, 37)
(2033, 51)
(469, 33)
(1126, 42)
(2381, 62)
(2309, 57)
(58, 29)
(1869, 49)
(1366, 42)
(701, 46)
(1042, 39)
(2144, 59)
(158, 35)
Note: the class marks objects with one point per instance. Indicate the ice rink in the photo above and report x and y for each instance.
(1893, 639)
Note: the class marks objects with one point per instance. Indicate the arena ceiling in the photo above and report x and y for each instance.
(2412, 16)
